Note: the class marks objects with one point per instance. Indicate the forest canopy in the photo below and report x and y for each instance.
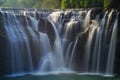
(55, 4)
(31, 3)
(85, 3)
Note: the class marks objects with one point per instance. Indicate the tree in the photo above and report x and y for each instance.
(59, 3)
(82, 3)
(74, 3)
(22, 3)
(38, 4)
(2, 2)
(10, 3)
(107, 3)
(65, 4)
(49, 4)
(53, 4)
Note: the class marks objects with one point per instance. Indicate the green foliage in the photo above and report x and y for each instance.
(32, 3)
(58, 4)
(49, 4)
(85, 3)
(2, 2)
(107, 3)
(37, 4)
(19, 3)
(74, 3)
(52, 4)
(65, 4)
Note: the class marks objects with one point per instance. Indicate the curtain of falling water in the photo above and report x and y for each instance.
(23, 34)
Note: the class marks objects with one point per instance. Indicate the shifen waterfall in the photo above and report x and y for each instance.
(42, 41)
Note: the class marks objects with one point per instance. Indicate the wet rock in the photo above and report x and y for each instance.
(46, 27)
(117, 55)
(80, 50)
(72, 29)
(67, 14)
(3, 46)
(97, 12)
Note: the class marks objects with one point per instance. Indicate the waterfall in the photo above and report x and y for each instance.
(72, 55)
(47, 62)
(87, 19)
(83, 41)
(88, 48)
(17, 40)
(97, 50)
(111, 55)
(57, 47)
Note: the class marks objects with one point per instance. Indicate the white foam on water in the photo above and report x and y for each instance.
(67, 72)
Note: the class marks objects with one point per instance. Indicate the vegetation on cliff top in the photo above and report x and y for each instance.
(53, 4)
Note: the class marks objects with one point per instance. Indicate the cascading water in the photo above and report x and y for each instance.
(17, 40)
(83, 41)
(96, 52)
(57, 47)
(111, 55)
(47, 62)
